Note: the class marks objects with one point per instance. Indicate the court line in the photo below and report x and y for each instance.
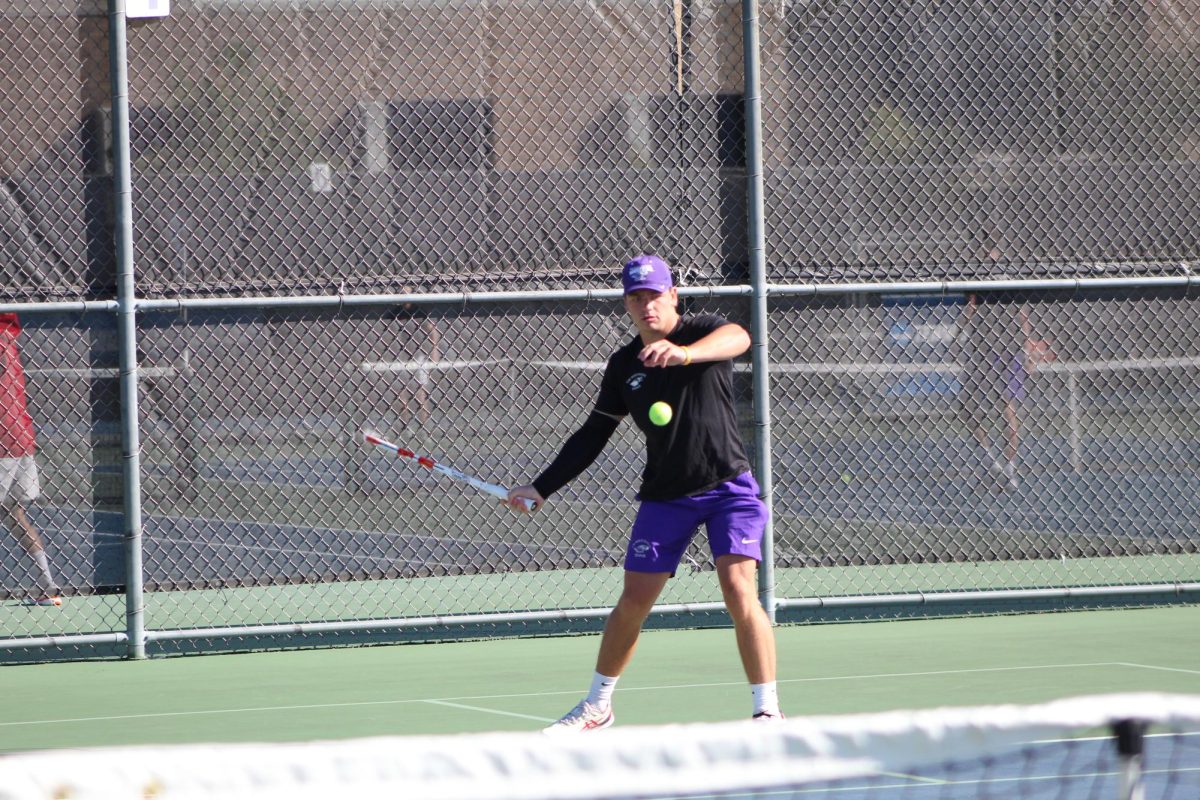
(448, 700)
(857, 677)
(857, 786)
(487, 710)
(955, 671)
(985, 782)
(1167, 735)
(1154, 666)
(920, 779)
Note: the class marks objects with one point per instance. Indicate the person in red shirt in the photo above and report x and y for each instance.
(18, 471)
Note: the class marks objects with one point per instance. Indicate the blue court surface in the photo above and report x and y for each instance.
(1078, 769)
(189, 552)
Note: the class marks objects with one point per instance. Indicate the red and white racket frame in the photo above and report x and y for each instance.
(498, 492)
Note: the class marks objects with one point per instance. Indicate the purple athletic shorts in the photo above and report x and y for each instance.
(1015, 374)
(732, 512)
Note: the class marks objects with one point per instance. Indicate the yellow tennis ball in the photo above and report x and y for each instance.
(660, 413)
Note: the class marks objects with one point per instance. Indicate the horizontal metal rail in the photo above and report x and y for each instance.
(1184, 280)
(989, 595)
(66, 640)
(412, 623)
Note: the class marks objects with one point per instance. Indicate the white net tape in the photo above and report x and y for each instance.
(670, 761)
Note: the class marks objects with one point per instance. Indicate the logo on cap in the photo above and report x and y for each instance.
(646, 271)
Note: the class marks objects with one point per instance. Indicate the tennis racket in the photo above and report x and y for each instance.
(442, 469)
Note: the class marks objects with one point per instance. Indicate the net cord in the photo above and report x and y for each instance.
(630, 761)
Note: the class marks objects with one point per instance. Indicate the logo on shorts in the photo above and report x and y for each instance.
(640, 548)
(635, 380)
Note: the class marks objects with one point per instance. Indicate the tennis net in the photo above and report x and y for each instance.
(1131, 747)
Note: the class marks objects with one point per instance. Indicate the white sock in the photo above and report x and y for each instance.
(766, 698)
(48, 583)
(600, 695)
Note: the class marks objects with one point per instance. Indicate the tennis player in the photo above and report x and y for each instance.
(19, 483)
(994, 338)
(696, 473)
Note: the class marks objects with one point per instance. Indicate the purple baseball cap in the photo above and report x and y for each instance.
(646, 271)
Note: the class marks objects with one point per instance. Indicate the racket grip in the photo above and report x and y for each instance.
(501, 493)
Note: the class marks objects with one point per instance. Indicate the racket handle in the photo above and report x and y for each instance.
(523, 502)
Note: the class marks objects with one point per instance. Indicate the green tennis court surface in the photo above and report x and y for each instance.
(677, 676)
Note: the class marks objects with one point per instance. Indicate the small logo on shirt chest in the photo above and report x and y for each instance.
(635, 380)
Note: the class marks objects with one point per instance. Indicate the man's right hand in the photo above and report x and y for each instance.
(528, 493)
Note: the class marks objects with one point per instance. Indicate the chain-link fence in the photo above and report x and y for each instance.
(1014, 138)
(402, 215)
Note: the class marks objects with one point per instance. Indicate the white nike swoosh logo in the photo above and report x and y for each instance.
(749, 541)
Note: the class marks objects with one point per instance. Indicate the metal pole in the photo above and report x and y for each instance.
(561, 295)
(126, 330)
(756, 237)
(1131, 742)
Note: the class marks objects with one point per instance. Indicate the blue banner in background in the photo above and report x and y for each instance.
(921, 330)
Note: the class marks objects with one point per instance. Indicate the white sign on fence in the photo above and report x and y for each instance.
(147, 8)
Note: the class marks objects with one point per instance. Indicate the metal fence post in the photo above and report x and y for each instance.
(126, 329)
(756, 237)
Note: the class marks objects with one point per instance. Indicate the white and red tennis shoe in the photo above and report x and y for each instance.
(582, 718)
